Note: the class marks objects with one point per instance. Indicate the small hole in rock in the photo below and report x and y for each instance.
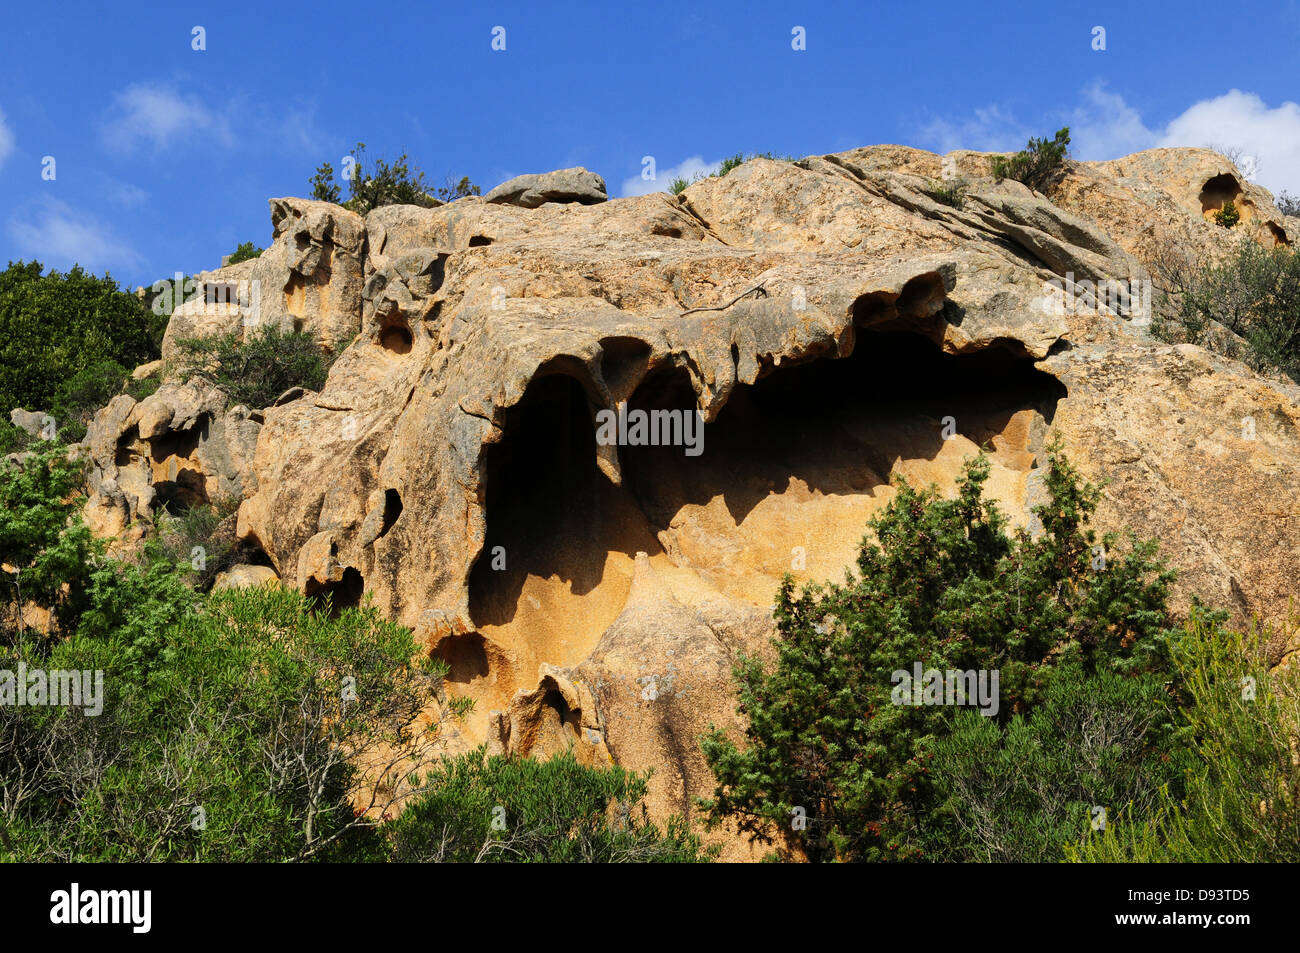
(396, 338)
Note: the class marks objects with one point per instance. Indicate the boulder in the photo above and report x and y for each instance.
(35, 422)
(244, 576)
(562, 186)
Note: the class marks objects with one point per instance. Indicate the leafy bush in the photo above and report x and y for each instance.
(453, 189)
(1287, 203)
(239, 740)
(56, 326)
(258, 369)
(165, 295)
(84, 393)
(1227, 216)
(1254, 293)
(678, 185)
(1037, 163)
(13, 439)
(1023, 790)
(943, 585)
(142, 388)
(45, 550)
(387, 184)
(502, 809)
(244, 726)
(208, 528)
(1241, 800)
(951, 193)
(245, 252)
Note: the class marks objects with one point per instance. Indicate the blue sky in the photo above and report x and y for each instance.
(164, 156)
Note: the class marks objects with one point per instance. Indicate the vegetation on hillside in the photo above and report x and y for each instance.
(395, 183)
(67, 343)
(1037, 164)
(245, 252)
(258, 368)
(1059, 616)
(729, 164)
(1228, 216)
(251, 726)
(1240, 801)
(1253, 293)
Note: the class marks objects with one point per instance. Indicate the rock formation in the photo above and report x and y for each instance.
(834, 325)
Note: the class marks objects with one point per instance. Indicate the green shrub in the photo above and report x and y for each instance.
(734, 162)
(1037, 163)
(502, 809)
(1241, 799)
(13, 439)
(951, 193)
(1254, 292)
(165, 295)
(945, 586)
(245, 252)
(453, 189)
(248, 719)
(79, 397)
(142, 388)
(201, 539)
(258, 369)
(729, 164)
(56, 326)
(1287, 203)
(44, 547)
(1228, 216)
(397, 183)
(1023, 790)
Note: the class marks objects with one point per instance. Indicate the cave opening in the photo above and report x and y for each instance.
(344, 593)
(839, 426)
(550, 511)
(1217, 191)
(392, 510)
(799, 459)
(395, 336)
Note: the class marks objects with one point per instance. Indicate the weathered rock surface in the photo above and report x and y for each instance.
(243, 576)
(33, 421)
(834, 325)
(308, 280)
(180, 445)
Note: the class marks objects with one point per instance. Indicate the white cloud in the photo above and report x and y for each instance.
(990, 129)
(1243, 121)
(159, 116)
(123, 193)
(60, 236)
(687, 169)
(1104, 126)
(6, 139)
